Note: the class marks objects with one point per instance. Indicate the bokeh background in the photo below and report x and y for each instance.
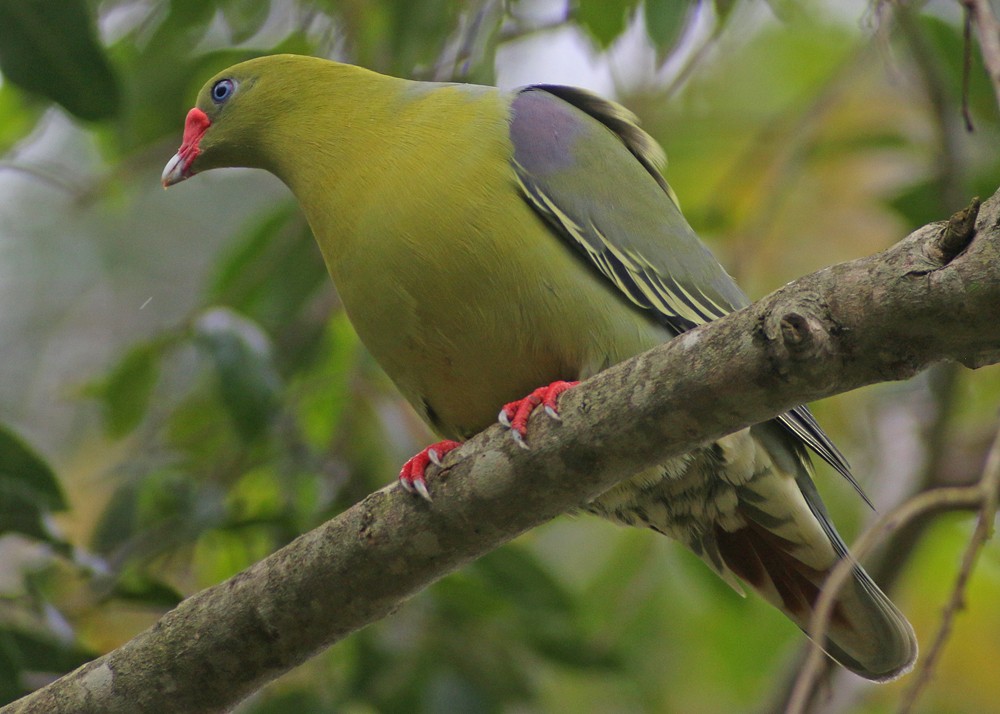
(180, 394)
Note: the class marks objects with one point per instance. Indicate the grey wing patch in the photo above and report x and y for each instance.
(680, 307)
(568, 162)
(623, 123)
(571, 170)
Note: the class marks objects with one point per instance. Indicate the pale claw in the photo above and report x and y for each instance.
(411, 475)
(421, 487)
(515, 415)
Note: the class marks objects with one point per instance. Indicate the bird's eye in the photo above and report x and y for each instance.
(223, 90)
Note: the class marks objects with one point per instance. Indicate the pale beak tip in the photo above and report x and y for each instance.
(174, 171)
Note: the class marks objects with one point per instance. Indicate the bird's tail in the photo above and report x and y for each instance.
(784, 558)
(867, 634)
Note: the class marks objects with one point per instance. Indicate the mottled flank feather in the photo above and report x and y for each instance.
(736, 508)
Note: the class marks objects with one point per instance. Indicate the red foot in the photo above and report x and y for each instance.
(515, 415)
(411, 476)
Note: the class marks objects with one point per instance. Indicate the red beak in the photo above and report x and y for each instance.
(179, 167)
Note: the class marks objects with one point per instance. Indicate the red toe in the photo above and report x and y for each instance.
(411, 476)
(516, 414)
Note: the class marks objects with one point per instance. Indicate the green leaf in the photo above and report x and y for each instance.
(138, 587)
(17, 116)
(515, 573)
(186, 15)
(920, 203)
(171, 496)
(50, 47)
(161, 499)
(257, 496)
(119, 519)
(785, 10)
(24, 474)
(561, 641)
(417, 31)
(604, 19)
(24, 651)
(248, 382)
(273, 271)
(244, 17)
(323, 393)
(723, 8)
(125, 392)
(666, 20)
(162, 72)
(21, 513)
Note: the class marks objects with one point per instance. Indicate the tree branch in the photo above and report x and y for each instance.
(989, 493)
(931, 297)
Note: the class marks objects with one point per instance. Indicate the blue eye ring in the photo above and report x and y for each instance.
(223, 90)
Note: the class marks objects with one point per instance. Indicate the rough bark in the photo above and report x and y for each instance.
(934, 296)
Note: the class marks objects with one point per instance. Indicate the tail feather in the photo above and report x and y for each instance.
(866, 633)
(746, 504)
(788, 562)
(762, 560)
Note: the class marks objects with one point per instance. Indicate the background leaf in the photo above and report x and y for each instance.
(666, 20)
(126, 391)
(241, 353)
(50, 47)
(25, 473)
(604, 19)
(244, 17)
(208, 332)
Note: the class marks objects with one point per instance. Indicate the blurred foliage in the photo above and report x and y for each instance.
(28, 490)
(182, 364)
(50, 47)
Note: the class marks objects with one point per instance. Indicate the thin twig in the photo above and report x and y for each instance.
(940, 500)
(967, 69)
(988, 31)
(693, 61)
(936, 87)
(989, 488)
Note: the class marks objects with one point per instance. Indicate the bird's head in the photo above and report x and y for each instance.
(233, 122)
(214, 124)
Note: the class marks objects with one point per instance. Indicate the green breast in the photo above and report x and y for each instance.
(453, 282)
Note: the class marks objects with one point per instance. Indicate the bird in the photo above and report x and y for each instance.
(491, 249)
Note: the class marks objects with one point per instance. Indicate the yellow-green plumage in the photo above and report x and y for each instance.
(485, 243)
(460, 296)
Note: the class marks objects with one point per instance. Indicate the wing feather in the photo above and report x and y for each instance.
(571, 160)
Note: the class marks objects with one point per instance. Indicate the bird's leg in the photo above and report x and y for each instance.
(515, 415)
(411, 476)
